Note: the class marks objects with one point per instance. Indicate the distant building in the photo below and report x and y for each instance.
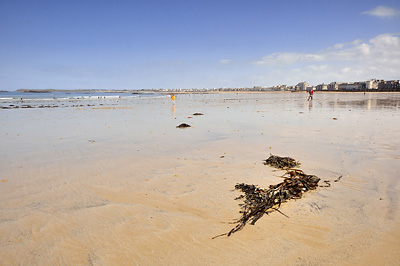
(321, 87)
(302, 85)
(371, 84)
(282, 87)
(352, 86)
(333, 86)
(389, 85)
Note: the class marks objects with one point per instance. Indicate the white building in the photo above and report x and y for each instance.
(302, 85)
(371, 84)
(333, 86)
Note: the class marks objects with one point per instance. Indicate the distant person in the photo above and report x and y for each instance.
(310, 95)
(173, 98)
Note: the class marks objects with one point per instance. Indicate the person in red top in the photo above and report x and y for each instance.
(311, 92)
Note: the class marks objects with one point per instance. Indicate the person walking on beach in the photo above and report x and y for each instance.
(310, 95)
(173, 98)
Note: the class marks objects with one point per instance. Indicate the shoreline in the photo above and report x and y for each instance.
(112, 102)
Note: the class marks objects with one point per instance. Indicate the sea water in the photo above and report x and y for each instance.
(70, 95)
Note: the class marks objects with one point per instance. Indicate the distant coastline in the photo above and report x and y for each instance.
(194, 91)
(372, 85)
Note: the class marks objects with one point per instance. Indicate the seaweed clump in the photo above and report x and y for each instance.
(183, 125)
(281, 162)
(258, 201)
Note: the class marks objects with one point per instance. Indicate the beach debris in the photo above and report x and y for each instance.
(334, 118)
(4, 180)
(258, 201)
(281, 162)
(198, 114)
(337, 179)
(92, 141)
(183, 125)
(328, 182)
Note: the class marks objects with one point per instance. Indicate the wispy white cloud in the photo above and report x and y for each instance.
(225, 61)
(285, 58)
(355, 50)
(358, 60)
(382, 12)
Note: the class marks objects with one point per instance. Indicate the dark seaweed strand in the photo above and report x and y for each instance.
(259, 201)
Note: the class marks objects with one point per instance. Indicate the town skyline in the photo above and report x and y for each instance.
(368, 85)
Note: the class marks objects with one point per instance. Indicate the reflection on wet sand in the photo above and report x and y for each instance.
(369, 101)
(388, 101)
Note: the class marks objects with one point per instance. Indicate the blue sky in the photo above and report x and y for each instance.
(195, 44)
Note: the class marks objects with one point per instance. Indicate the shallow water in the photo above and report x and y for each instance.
(117, 183)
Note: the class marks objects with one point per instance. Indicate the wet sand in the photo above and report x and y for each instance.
(119, 184)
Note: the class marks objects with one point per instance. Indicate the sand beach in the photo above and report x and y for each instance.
(114, 182)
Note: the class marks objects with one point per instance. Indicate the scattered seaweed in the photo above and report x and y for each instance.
(258, 201)
(281, 162)
(198, 114)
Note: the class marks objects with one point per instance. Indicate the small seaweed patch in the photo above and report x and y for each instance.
(183, 125)
(281, 162)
